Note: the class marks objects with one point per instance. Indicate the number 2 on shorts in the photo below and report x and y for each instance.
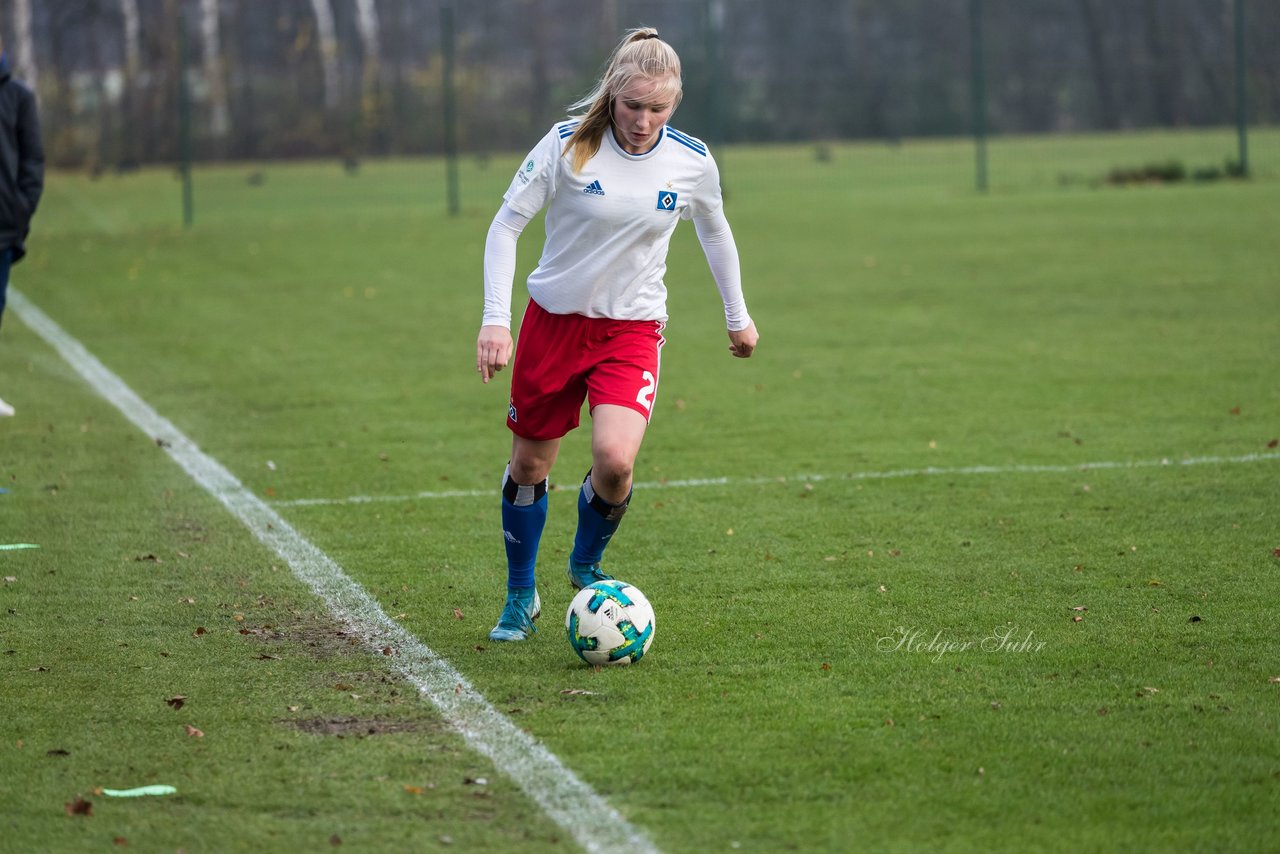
(645, 397)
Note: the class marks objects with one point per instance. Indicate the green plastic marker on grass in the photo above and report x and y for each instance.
(140, 791)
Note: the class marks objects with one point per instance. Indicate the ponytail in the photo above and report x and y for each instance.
(640, 54)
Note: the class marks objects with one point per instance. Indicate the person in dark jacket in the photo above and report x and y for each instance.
(21, 174)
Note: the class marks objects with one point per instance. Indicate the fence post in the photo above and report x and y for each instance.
(1242, 93)
(979, 91)
(450, 107)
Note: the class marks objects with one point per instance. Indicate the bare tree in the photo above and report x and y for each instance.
(371, 108)
(219, 115)
(132, 52)
(1100, 63)
(26, 45)
(328, 52)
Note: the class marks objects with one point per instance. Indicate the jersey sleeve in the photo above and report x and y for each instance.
(707, 199)
(535, 182)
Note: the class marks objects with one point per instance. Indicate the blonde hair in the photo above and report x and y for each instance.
(640, 55)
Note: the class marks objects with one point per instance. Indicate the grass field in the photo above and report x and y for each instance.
(978, 553)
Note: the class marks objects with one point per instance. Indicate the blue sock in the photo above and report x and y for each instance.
(597, 522)
(524, 514)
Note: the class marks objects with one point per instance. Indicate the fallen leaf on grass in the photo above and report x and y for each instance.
(265, 657)
(1273, 443)
(1077, 619)
(1274, 680)
(79, 807)
(176, 701)
(578, 692)
(200, 630)
(9, 579)
(1079, 608)
(386, 650)
(121, 841)
(457, 613)
(193, 732)
(342, 686)
(335, 840)
(149, 557)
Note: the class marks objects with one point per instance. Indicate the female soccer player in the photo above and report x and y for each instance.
(614, 180)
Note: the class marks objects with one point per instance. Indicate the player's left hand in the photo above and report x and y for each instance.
(743, 342)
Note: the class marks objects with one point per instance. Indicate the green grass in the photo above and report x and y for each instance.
(315, 334)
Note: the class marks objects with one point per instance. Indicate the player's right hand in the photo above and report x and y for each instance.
(493, 350)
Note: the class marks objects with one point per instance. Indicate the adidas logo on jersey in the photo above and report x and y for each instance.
(594, 189)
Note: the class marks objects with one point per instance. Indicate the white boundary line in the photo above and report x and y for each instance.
(815, 478)
(568, 801)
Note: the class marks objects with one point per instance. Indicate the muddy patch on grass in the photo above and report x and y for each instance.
(360, 727)
(316, 636)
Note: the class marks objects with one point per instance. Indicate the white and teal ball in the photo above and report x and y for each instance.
(610, 622)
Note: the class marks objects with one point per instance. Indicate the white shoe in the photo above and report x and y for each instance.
(5, 409)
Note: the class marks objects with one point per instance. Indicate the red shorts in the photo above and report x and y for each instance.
(564, 359)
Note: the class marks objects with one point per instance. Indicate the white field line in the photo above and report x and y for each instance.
(931, 471)
(569, 802)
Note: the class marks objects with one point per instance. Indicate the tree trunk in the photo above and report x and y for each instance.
(328, 53)
(1099, 65)
(371, 104)
(219, 116)
(26, 45)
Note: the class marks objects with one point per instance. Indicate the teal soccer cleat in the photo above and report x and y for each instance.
(516, 623)
(582, 574)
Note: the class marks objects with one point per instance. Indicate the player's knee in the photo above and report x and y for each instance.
(528, 470)
(611, 473)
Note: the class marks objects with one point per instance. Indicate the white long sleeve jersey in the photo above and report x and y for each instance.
(609, 227)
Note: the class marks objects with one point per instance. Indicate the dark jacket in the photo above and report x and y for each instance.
(21, 161)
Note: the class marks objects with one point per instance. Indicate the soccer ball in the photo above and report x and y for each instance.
(609, 622)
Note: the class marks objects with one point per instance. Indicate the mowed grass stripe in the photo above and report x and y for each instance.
(562, 795)
(928, 471)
